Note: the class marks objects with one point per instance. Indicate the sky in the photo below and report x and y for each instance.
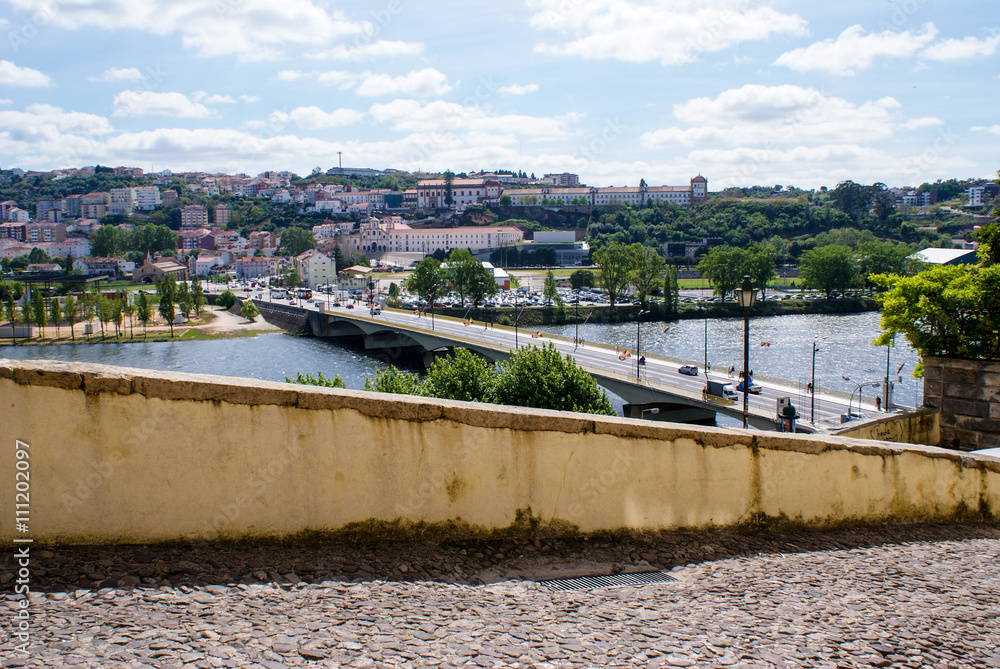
(743, 92)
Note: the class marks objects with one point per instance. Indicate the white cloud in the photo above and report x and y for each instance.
(314, 118)
(923, 122)
(292, 75)
(758, 115)
(219, 100)
(992, 129)
(146, 103)
(671, 31)
(336, 78)
(853, 50)
(250, 98)
(962, 49)
(439, 116)
(379, 49)
(421, 83)
(12, 75)
(6, 101)
(250, 29)
(119, 74)
(517, 89)
(45, 125)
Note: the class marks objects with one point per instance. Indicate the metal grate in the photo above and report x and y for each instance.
(608, 581)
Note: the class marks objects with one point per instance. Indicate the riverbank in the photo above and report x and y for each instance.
(214, 323)
(588, 313)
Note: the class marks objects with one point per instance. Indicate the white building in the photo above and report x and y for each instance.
(121, 201)
(147, 198)
(315, 269)
(431, 193)
(392, 235)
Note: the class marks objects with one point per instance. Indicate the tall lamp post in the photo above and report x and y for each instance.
(746, 295)
(638, 356)
(858, 390)
(576, 340)
(704, 312)
(812, 388)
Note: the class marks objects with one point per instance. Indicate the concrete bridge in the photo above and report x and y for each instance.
(654, 391)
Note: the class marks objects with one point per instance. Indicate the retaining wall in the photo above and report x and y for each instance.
(968, 394)
(123, 455)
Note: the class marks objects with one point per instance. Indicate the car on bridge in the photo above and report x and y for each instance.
(689, 370)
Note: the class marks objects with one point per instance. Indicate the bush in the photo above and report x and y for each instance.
(226, 299)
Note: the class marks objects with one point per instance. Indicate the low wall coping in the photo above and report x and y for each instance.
(94, 379)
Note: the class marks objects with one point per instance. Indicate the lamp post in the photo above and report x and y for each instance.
(704, 312)
(576, 340)
(643, 412)
(746, 295)
(638, 356)
(859, 391)
(812, 388)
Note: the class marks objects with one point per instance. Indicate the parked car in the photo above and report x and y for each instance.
(754, 388)
(689, 370)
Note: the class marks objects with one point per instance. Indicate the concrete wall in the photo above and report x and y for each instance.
(968, 394)
(917, 427)
(121, 455)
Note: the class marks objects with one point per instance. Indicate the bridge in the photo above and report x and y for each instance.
(654, 390)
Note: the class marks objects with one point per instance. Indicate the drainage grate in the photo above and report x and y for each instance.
(608, 581)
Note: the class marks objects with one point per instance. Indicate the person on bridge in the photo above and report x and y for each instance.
(878, 403)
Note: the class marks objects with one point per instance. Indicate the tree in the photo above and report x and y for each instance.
(297, 240)
(166, 289)
(549, 290)
(250, 311)
(671, 291)
(882, 257)
(198, 299)
(183, 299)
(505, 200)
(117, 315)
(829, 269)
(318, 380)
(72, 310)
(38, 312)
(27, 313)
(581, 278)
(449, 180)
(462, 271)
(428, 280)
(143, 311)
(647, 265)
(544, 379)
(292, 278)
(760, 266)
(529, 200)
(129, 309)
(55, 313)
(461, 376)
(226, 299)
(725, 267)
(338, 259)
(392, 380)
(615, 262)
(104, 313)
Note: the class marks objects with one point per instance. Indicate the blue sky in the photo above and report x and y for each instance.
(745, 92)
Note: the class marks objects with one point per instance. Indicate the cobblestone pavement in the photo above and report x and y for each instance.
(908, 596)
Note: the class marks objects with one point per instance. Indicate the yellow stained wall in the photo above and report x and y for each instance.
(120, 455)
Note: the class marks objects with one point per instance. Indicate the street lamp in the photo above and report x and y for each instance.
(812, 388)
(704, 313)
(643, 412)
(858, 390)
(576, 340)
(638, 356)
(746, 295)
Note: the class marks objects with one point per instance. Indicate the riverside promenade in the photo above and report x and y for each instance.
(903, 595)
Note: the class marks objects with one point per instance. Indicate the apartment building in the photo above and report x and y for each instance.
(94, 205)
(194, 216)
(431, 193)
(222, 216)
(315, 269)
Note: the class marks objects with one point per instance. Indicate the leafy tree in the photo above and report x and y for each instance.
(462, 269)
(318, 380)
(831, 269)
(428, 280)
(338, 259)
(198, 299)
(27, 313)
(129, 309)
(505, 200)
(529, 200)
(449, 180)
(38, 312)
(461, 376)
(581, 278)
(647, 265)
(542, 378)
(549, 289)
(725, 267)
(392, 380)
(184, 301)
(104, 313)
(143, 311)
(760, 266)
(297, 240)
(55, 313)
(226, 299)
(292, 278)
(249, 311)
(671, 291)
(881, 257)
(72, 309)
(615, 261)
(117, 314)
(166, 289)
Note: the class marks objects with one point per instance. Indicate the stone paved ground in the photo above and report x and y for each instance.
(908, 596)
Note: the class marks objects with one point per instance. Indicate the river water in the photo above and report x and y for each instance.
(844, 350)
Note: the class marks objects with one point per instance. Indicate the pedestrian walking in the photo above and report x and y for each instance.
(878, 403)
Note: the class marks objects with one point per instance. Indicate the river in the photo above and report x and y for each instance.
(844, 350)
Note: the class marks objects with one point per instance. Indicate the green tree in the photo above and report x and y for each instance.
(72, 310)
(184, 301)
(117, 306)
(292, 278)
(166, 290)
(760, 266)
(129, 309)
(505, 200)
(104, 312)
(143, 310)
(581, 278)
(831, 269)
(27, 313)
(671, 291)
(615, 261)
(318, 380)
(542, 378)
(296, 240)
(461, 376)
(881, 257)
(462, 269)
(549, 289)
(38, 312)
(392, 380)
(428, 280)
(250, 311)
(725, 267)
(55, 313)
(226, 299)
(198, 299)
(529, 200)
(647, 265)
(449, 181)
